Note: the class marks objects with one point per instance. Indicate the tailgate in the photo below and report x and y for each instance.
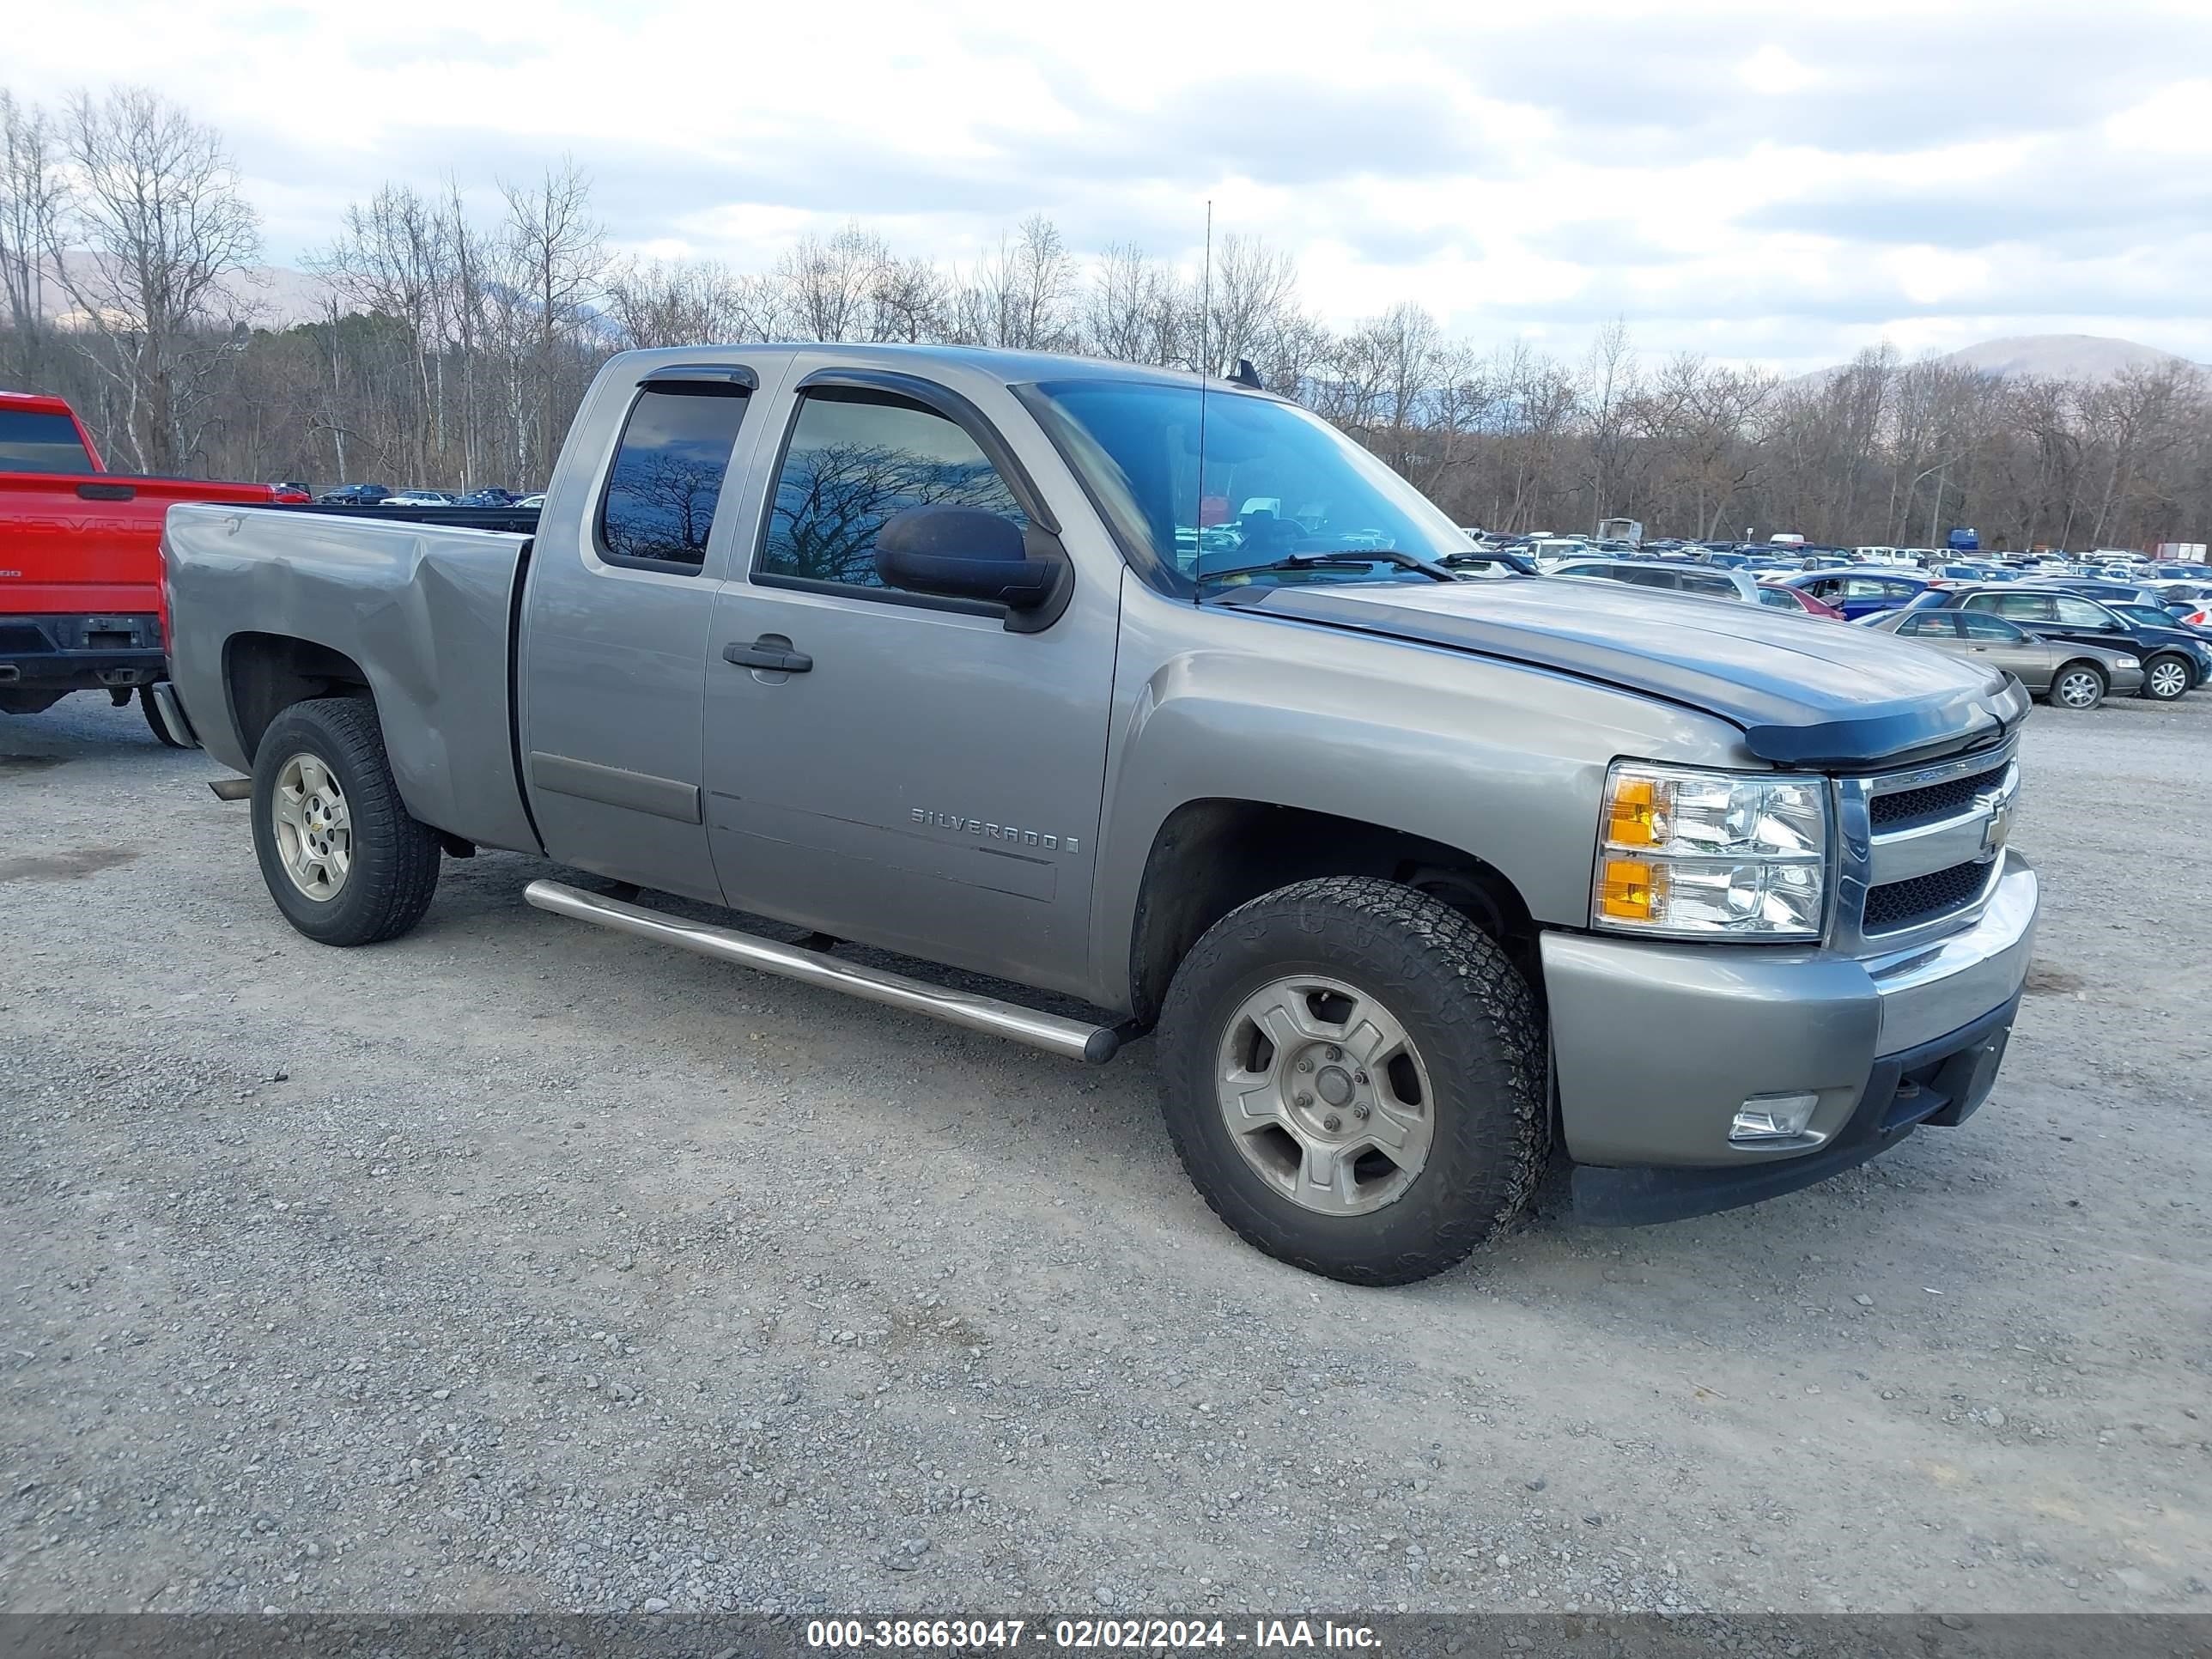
(77, 544)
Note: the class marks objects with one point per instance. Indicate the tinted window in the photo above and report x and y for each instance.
(1867, 587)
(2083, 613)
(31, 441)
(1977, 627)
(1779, 599)
(668, 473)
(2020, 607)
(1929, 624)
(855, 459)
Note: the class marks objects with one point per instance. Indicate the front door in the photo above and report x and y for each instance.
(887, 767)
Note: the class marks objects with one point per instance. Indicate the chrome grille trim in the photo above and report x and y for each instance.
(1867, 858)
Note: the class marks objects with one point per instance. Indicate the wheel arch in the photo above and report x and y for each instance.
(1210, 855)
(264, 674)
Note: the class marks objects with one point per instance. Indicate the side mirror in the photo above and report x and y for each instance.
(965, 553)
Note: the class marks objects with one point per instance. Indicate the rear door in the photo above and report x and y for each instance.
(922, 778)
(620, 603)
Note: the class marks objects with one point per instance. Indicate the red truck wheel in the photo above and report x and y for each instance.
(155, 723)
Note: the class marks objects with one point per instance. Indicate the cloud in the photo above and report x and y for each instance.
(1737, 178)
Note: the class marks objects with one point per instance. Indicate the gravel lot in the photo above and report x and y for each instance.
(516, 1265)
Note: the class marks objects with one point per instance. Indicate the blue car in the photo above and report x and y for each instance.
(1861, 591)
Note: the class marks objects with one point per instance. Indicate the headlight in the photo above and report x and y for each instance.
(1696, 854)
(2127, 662)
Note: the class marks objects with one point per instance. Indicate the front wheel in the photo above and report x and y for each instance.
(1352, 1073)
(339, 853)
(2165, 678)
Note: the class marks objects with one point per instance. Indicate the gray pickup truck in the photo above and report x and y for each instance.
(1159, 698)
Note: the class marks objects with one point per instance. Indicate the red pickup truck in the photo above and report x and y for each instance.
(80, 563)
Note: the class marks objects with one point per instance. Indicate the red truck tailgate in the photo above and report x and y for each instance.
(90, 542)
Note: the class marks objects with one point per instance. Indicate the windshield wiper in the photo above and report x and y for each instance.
(1312, 560)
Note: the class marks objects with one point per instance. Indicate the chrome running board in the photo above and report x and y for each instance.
(1071, 1039)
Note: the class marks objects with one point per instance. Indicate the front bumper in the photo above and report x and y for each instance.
(61, 653)
(1655, 1046)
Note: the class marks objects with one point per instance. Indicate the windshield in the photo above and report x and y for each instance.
(1281, 488)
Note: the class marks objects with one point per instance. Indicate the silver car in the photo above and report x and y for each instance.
(2067, 675)
(1701, 580)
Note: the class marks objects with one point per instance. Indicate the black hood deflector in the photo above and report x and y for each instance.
(1805, 692)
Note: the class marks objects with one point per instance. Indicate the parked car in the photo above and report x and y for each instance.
(416, 498)
(291, 492)
(2110, 592)
(532, 500)
(1782, 596)
(2158, 616)
(357, 495)
(2175, 661)
(1700, 582)
(1859, 591)
(80, 573)
(1403, 870)
(2067, 674)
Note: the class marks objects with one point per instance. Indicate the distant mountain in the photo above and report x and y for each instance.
(2050, 356)
(268, 296)
(2062, 356)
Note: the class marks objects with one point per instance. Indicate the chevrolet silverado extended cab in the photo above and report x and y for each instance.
(936, 651)
(80, 563)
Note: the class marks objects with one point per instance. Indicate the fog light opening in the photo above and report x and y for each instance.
(1764, 1119)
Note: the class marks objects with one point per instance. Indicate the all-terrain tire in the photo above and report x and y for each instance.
(1462, 1005)
(392, 858)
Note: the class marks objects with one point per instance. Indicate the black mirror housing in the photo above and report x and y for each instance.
(965, 553)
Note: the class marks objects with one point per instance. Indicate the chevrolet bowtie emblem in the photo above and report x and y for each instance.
(1999, 825)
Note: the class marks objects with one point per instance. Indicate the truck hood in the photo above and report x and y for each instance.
(1805, 692)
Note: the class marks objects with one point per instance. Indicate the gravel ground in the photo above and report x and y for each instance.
(516, 1265)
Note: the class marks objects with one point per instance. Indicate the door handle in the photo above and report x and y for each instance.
(770, 651)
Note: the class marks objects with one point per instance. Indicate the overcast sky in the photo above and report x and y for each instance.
(1779, 182)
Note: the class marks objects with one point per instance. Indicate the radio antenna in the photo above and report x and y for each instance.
(1204, 374)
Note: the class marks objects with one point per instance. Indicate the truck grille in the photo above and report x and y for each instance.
(1921, 848)
(1907, 904)
(1936, 800)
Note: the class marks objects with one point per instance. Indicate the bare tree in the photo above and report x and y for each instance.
(827, 284)
(559, 253)
(162, 239)
(31, 195)
(1021, 294)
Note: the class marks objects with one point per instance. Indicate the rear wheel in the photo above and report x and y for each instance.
(155, 721)
(1352, 1073)
(2077, 685)
(341, 856)
(2165, 678)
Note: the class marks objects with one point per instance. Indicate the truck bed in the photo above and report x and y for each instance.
(420, 613)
